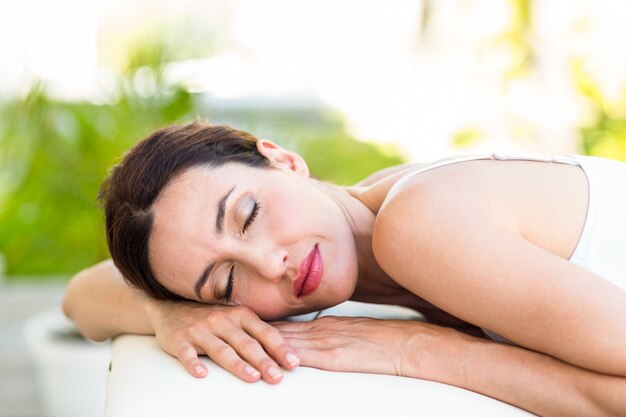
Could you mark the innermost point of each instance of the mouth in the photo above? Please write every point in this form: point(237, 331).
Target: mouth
point(309, 274)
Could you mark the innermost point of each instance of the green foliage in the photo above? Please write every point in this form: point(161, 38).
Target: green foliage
point(156, 40)
point(336, 157)
point(466, 138)
point(517, 38)
point(606, 135)
point(54, 156)
point(319, 136)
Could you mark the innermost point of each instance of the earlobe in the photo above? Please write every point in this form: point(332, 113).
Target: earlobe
point(282, 158)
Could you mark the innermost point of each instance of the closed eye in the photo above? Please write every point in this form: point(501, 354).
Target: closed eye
point(230, 284)
point(253, 214)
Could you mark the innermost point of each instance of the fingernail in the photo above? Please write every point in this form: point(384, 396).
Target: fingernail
point(199, 369)
point(292, 359)
point(274, 372)
point(251, 371)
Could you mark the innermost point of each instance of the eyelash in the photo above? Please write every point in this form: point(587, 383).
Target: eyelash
point(255, 211)
point(231, 276)
point(231, 282)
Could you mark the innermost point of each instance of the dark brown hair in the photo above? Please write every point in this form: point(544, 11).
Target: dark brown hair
point(134, 185)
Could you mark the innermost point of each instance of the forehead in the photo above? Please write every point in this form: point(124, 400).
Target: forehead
point(200, 184)
point(184, 221)
point(178, 223)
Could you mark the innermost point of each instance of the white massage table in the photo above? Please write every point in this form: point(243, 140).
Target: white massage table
point(144, 381)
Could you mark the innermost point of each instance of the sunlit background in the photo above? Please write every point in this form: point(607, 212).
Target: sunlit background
point(353, 85)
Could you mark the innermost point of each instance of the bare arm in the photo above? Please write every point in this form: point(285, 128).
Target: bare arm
point(480, 269)
point(102, 305)
point(530, 380)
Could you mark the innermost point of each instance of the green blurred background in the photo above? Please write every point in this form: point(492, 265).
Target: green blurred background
point(55, 154)
point(55, 151)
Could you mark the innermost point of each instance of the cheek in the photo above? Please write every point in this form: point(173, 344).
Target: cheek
point(265, 300)
point(270, 310)
point(304, 218)
point(344, 283)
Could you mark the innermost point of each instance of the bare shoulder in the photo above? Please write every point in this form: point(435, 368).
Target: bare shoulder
point(448, 200)
point(453, 241)
point(545, 203)
point(423, 213)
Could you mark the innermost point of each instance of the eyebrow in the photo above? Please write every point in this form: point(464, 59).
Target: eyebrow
point(219, 227)
point(221, 211)
point(202, 280)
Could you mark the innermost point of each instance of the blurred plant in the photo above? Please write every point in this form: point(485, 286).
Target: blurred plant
point(466, 138)
point(336, 157)
point(54, 156)
point(150, 39)
point(515, 42)
point(606, 134)
point(518, 37)
point(318, 134)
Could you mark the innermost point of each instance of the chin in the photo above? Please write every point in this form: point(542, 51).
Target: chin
point(306, 309)
point(339, 295)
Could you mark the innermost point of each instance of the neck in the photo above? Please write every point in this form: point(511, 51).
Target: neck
point(372, 280)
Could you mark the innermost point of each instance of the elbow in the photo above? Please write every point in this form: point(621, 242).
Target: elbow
point(65, 306)
point(68, 299)
point(71, 307)
point(75, 292)
point(94, 337)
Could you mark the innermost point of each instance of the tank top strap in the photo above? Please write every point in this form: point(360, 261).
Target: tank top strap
point(498, 156)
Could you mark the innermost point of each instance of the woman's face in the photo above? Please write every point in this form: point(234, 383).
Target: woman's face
point(269, 239)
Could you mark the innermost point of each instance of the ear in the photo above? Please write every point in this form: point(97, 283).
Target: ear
point(282, 158)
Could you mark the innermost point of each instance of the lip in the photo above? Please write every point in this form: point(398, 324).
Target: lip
point(309, 274)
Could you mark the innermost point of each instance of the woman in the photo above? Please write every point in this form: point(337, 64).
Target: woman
point(222, 232)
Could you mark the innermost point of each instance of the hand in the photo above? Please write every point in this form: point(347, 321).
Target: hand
point(392, 347)
point(232, 336)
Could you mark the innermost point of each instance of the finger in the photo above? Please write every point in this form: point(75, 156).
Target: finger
point(272, 342)
point(252, 351)
point(188, 356)
point(314, 358)
point(300, 340)
point(225, 356)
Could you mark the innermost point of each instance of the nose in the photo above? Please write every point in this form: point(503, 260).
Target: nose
point(267, 261)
